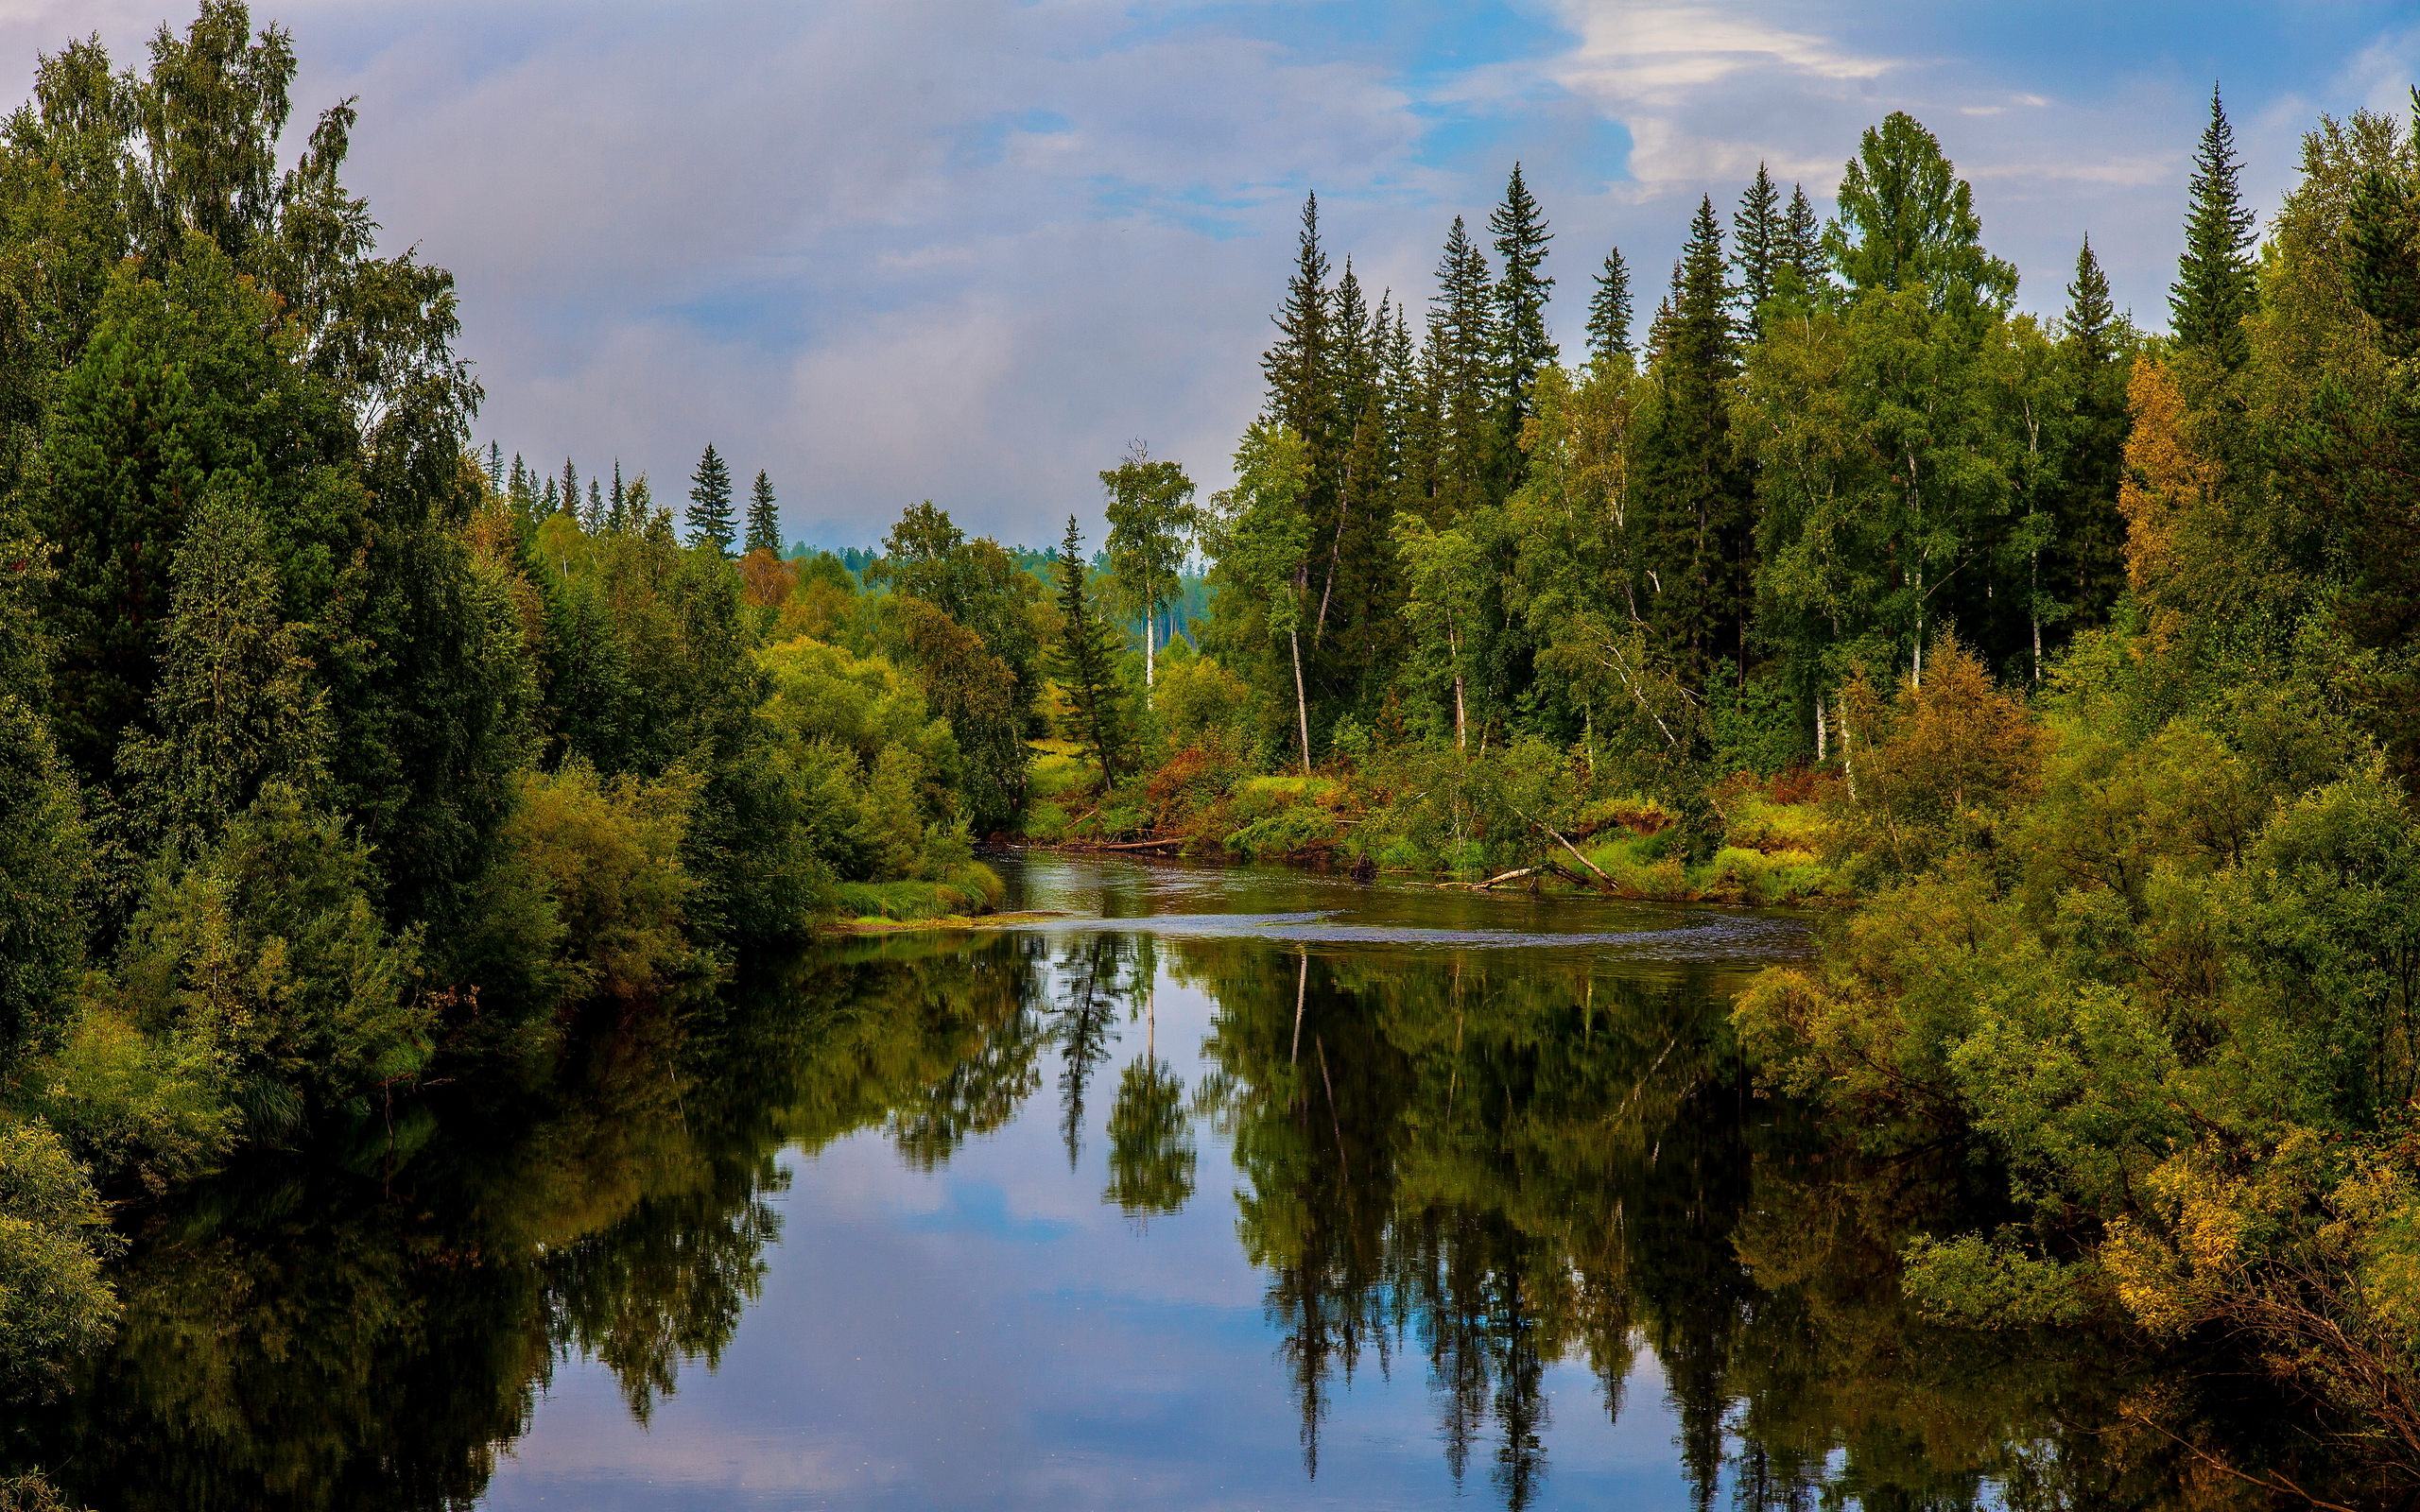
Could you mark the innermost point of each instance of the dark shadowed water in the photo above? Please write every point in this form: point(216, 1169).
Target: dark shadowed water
point(1233, 1189)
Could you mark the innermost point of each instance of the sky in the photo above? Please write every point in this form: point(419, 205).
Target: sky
point(889, 250)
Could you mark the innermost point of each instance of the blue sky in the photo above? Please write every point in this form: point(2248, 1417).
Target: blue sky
point(889, 250)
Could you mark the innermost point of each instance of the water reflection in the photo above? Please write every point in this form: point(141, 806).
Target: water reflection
point(1470, 1167)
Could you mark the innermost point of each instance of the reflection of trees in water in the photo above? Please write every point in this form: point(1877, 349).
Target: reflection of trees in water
point(1515, 1162)
point(1093, 990)
point(1502, 1165)
point(361, 1325)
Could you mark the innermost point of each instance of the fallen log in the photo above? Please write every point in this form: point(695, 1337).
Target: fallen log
point(1510, 876)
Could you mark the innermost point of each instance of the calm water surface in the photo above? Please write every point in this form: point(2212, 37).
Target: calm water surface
point(1232, 1188)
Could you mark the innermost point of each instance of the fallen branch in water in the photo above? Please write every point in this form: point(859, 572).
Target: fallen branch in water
point(1573, 849)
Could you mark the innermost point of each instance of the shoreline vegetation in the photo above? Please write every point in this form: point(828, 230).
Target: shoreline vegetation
point(341, 757)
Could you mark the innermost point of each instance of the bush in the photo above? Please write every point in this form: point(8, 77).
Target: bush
point(1196, 702)
point(269, 953)
point(606, 855)
point(44, 861)
point(54, 1304)
point(152, 1109)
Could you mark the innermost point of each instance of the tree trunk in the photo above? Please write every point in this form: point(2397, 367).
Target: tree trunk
point(1150, 633)
point(1302, 704)
point(2035, 610)
point(1461, 728)
point(1820, 732)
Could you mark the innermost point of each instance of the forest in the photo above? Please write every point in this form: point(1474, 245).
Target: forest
point(2071, 668)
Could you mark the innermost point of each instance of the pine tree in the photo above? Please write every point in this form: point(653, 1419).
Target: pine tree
point(1088, 660)
point(619, 519)
point(1759, 243)
point(2090, 315)
point(1356, 365)
point(570, 495)
point(549, 502)
point(2382, 246)
point(1609, 311)
point(2086, 561)
point(1460, 356)
point(1700, 520)
point(1298, 365)
point(1907, 219)
point(1803, 244)
point(1521, 294)
point(594, 516)
point(709, 514)
point(764, 519)
point(2214, 288)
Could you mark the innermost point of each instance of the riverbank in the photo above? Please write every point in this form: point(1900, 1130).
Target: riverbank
point(1536, 818)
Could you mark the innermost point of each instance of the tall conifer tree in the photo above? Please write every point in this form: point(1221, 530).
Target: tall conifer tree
point(1461, 355)
point(618, 517)
point(1521, 294)
point(2088, 551)
point(1088, 660)
point(764, 518)
point(1803, 244)
point(1759, 243)
point(1609, 310)
point(571, 496)
point(710, 502)
point(1298, 365)
point(2214, 288)
point(1701, 522)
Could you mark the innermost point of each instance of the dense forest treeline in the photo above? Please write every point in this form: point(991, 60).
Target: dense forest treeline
point(336, 758)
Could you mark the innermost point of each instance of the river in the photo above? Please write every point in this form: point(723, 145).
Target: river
point(1230, 1188)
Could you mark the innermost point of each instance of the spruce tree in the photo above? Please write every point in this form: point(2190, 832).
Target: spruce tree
point(764, 519)
point(1460, 355)
point(2086, 561)
point(1609, 310)
point(1298, 365)
point(2214, 287)
point(1355, 362)
point(595, 513)
point(1521, 294)
point(619, 518)
point(2382, 246)
point(1803, 244)
point(570, 495)
point(1700, 521)
point(1759, 243)
point(1088, 660)
point(709, 512)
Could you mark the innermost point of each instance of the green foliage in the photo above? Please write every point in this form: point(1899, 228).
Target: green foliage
point(605, 857)
point(153, 1110)
point(764, 515)
point(1906, 222)
point(54, 1305)
point(2215, 289)
point(269, 950)
point(1087, 665)
point(45, 856)
point(709, 512)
